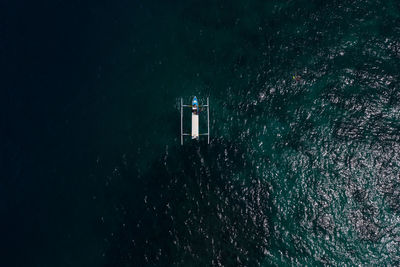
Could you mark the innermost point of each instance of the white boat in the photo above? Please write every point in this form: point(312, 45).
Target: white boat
point(195, 120)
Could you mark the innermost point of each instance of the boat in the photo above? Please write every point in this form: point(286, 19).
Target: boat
point(195, 106)
point(195, 119)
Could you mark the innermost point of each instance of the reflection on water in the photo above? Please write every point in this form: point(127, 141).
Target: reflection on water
point(299, 171)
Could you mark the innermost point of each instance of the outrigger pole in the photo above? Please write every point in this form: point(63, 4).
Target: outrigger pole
point(181, 121)
point(208, 122)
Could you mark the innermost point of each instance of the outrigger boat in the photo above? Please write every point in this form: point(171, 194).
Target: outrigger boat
point(195, 120)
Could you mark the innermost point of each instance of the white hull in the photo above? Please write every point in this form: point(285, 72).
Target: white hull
point(195, 126)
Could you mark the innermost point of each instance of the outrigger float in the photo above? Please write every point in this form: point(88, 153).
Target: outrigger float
point(195, 120)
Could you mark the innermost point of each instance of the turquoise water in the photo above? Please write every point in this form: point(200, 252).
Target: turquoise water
point(298, 172)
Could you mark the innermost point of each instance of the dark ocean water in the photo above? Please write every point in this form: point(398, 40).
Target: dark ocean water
point(300, 172)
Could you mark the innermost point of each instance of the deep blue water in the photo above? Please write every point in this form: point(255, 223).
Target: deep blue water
point(298, 172)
